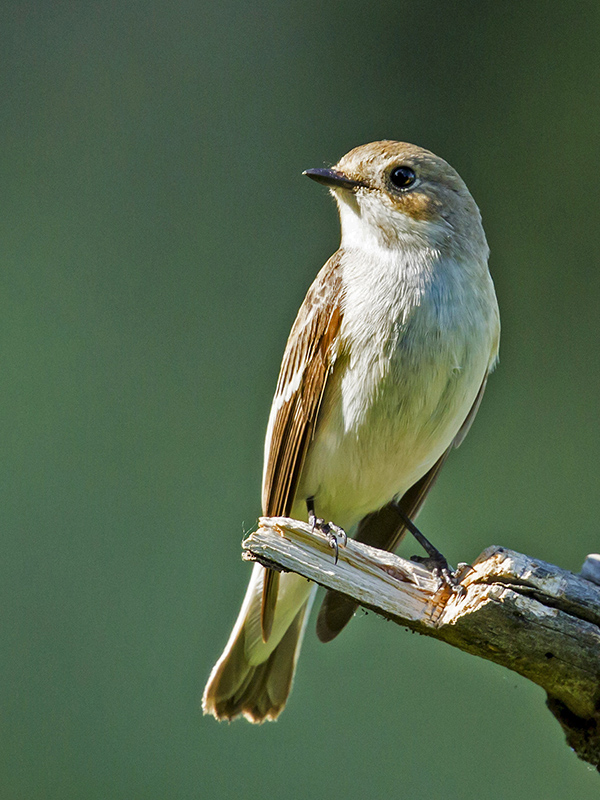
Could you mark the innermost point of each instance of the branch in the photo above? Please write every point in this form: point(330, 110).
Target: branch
point(532, 617)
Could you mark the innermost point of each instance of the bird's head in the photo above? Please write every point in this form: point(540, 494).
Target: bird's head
point(392, 194)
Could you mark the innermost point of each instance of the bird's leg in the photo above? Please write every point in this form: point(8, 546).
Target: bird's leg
point(434, 560)
point(336, 536)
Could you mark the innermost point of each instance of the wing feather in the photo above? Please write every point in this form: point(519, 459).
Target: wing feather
point(307, 362)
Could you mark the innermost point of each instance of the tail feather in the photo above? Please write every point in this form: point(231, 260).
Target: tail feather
point(269, 601)
point(253, 678)
point(264, 689)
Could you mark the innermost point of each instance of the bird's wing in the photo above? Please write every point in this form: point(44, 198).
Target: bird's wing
point(385, 530)
point(307, 362)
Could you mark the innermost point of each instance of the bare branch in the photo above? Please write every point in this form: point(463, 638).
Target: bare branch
point(532, 617)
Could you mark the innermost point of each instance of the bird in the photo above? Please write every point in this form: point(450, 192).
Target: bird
point(383, 372)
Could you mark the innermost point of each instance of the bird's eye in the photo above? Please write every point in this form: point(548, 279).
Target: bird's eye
point(402, 177)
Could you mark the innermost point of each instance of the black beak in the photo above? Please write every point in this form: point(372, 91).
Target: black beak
point(332, 178)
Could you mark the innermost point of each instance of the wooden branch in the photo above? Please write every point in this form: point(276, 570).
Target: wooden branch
point(532, 617)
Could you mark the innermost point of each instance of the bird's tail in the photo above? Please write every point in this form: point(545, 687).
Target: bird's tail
point(253, 677)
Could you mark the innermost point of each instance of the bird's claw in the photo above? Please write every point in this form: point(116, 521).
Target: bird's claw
point(336, 536)
point(447, 577)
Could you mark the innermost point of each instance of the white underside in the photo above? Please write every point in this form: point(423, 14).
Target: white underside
point(418, 336)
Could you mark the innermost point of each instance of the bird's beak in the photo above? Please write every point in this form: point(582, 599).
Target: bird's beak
point(332, 178)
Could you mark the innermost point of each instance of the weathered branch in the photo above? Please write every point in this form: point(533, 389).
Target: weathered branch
point(532, 617)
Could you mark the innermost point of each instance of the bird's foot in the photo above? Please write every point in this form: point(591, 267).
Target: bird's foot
point(336, 536)
point(434, 560)
point(441, 569)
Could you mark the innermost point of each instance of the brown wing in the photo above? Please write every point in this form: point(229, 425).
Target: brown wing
point(307, 362)
point(385, 530)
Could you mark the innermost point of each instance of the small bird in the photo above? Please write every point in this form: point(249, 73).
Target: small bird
point(382, 375)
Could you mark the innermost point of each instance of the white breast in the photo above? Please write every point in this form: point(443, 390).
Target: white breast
point(419, 334)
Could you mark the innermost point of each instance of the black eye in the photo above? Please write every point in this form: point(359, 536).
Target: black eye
point(402, 177)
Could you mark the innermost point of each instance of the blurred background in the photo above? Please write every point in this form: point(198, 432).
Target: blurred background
point(156, 241)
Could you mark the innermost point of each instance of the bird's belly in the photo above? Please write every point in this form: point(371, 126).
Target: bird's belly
point(378, 435)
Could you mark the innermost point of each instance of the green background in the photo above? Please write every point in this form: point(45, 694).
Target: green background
point(156, 241)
